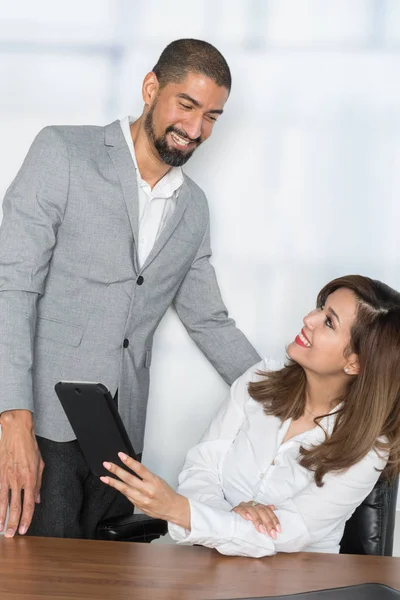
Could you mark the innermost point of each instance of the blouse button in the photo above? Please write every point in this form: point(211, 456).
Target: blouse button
point(262, 476)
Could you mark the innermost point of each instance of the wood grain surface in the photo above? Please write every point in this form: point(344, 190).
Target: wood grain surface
point(38, 568)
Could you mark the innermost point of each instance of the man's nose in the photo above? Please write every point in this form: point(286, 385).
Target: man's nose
point(193, 127)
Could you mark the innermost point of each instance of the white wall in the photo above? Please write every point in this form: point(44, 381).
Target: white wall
point(302, 172)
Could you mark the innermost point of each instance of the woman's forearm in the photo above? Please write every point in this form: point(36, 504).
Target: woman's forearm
point(181, 512)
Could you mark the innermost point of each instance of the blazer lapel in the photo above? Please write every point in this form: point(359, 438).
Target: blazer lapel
point(171, 224)
point(122, 160)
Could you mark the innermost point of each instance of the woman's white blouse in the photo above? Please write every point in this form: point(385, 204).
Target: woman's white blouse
point(241, 457)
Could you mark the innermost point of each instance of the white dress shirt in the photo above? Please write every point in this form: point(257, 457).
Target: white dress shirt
point(243, 457)
point(155, 205)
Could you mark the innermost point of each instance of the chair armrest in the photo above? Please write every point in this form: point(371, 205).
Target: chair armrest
point(131, 528)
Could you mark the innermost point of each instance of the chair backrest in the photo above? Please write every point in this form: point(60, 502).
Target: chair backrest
point(371, 527)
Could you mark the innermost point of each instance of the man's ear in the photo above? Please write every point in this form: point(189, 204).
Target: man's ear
point(150, 88)
point(352, 366)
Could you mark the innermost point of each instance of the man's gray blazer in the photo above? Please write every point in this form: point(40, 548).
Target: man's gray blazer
point(72, 294)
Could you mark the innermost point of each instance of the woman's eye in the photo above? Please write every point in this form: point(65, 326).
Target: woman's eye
point(328, 322)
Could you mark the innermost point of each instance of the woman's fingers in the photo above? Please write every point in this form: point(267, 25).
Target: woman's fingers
point(262, 520)
point(126, 476)
point(263, 517)
point(269, 520)
point(268, 516)
point(138, 498)
point(142, 489)
point(122, 487)
point(135, 466)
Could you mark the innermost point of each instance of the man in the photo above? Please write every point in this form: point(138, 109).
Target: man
point(102, 231)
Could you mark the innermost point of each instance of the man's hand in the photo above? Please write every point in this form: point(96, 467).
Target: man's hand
point(21, 468)
point(263, 517)
point(151, 494)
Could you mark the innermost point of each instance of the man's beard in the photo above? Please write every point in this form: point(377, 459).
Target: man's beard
point(170, 156)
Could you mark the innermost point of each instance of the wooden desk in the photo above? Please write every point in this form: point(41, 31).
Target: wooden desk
point(55, 569)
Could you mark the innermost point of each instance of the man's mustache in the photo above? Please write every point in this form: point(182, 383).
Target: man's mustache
point(183, 134)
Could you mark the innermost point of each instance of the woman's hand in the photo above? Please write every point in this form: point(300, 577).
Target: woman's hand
point(263, 517)
point(150, 494)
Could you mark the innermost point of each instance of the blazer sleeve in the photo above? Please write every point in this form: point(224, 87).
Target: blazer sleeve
point(33, 209)
point(199, 306)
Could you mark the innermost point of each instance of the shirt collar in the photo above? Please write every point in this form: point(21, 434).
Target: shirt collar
point(172, 180)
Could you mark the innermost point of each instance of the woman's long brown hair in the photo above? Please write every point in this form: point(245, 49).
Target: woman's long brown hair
point(371, 402)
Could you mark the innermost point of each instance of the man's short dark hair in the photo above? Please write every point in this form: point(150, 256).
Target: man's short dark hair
point(185, 56)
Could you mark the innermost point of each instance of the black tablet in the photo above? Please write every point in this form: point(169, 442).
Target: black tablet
point(96, 422)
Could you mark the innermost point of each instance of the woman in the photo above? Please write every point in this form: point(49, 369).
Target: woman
point(293, 452)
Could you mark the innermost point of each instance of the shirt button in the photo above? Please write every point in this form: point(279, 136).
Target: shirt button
point(139, 280)
point(126, 343)
point(262, 476)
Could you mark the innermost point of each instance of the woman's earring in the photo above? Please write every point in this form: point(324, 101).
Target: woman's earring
point(346, 370)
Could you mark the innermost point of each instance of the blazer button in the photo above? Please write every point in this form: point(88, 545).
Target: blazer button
point(126, 343)
point(139, 280)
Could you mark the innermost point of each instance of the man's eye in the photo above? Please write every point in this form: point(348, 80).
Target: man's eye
point(210, 118)
point(186, 106)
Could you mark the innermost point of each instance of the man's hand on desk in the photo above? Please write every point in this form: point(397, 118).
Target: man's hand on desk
point(263, 517)
point(150, 494)
point(21, 468)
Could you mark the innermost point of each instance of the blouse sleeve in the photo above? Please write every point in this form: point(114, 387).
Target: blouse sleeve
point(322, 509)
point(200, 479)
point(312, 516)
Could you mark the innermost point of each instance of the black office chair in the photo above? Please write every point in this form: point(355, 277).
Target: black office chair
point(131, 528)
point(369, 530)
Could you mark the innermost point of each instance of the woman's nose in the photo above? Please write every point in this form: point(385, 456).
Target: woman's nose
point(309, 320)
